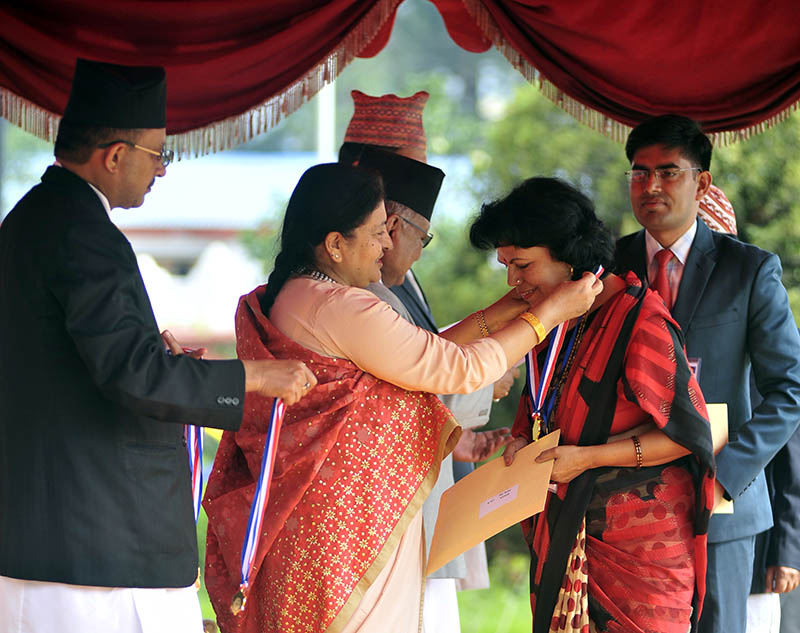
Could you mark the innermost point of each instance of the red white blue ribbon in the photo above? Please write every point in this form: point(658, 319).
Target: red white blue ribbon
point(194, 444)
point(259, 504)
point(539, 385)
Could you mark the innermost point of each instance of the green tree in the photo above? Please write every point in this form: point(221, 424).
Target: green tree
point(536, 138)
point(761, 177)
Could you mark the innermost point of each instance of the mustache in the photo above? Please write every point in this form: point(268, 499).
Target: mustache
point(647, 197)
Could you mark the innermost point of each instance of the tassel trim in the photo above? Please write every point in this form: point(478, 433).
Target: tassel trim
point(238, 129)
point(598, 121)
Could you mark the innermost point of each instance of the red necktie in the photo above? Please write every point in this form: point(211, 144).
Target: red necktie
point(661, 282)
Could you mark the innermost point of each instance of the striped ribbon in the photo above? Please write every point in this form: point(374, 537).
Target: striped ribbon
point(539, 385)
point(259, 504)
point(194, 444)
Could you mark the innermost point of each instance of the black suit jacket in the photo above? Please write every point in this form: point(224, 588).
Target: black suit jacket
point(94, 475)
point(735, 316)
point(781, 544)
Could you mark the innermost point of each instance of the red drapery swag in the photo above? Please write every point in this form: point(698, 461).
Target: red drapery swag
point(236, 67)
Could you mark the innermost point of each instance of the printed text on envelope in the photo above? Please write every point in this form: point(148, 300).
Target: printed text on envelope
point(498, 501)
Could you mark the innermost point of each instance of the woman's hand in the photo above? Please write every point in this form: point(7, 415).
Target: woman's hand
point(569, 300)
point(570, 461)
point(517, 444)
point(476, 446)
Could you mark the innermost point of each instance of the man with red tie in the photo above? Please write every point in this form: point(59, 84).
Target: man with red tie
point(734, 312)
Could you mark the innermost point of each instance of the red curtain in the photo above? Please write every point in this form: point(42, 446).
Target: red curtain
point(223, 59)
point(236, 66)
point(730, 64)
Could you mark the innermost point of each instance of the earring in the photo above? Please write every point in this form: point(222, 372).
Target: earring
point(571, 271)
point(335, 257)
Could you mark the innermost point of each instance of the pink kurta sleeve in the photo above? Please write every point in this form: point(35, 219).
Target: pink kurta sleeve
point(353, 323)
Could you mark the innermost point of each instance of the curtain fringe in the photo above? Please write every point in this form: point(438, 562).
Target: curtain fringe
point(582, 113)
point(238, 129)
point(29, 116)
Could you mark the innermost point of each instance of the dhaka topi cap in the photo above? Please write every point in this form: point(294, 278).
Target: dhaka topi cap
point(717, 211)
point(389, 121)
point(405, 180)
point(114, 96)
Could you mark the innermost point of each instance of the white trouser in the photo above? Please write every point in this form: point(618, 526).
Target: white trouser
point(440, 609)
point(763, 613)
point(28, 606)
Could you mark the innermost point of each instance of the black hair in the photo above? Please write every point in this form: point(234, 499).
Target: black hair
point(551, 213)
point(75, 143)
point(327, 198)
point(674, 132)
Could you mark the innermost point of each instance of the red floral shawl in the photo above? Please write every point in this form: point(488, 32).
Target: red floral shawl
point(356, 459)
point(631, 357)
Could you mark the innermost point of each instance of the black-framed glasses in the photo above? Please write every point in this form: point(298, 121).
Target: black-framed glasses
point(428, 236)
point(166, 156)
point(664, 174)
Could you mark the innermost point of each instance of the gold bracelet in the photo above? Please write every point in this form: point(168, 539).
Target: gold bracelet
point(480, 319)
point(536, 324)
point(638, 446)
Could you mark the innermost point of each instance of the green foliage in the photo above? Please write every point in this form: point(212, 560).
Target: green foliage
point(536, 138)
point(505, 605)
point(262, 244)
point(761, 177)
point(18, 149)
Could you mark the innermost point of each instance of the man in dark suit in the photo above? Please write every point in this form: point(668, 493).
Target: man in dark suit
point(96, 520)
point(734, 312)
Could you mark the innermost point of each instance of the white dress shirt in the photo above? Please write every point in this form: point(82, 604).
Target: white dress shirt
point(680, 249)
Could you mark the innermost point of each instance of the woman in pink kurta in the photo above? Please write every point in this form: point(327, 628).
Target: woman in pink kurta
point(341, 549)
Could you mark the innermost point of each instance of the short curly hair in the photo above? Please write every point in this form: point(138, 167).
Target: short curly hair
point(551, 213)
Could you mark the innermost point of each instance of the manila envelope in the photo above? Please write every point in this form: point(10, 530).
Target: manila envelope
point(718, 416)
point(490, 499)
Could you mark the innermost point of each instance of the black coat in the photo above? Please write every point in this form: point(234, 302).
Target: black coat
point(94, 475)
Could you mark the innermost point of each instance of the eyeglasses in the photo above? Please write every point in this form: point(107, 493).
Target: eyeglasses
point(166, 156)
point(664, 174)
point(428, 236)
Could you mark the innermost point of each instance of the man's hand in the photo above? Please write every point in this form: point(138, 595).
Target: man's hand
point(475, 446)
point(503, 386)
point(286, 379)
point(516, 444)
point(782, 579)
point(175, 348)
point(719, 491)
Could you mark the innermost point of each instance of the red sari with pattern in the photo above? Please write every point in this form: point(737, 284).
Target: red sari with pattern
point(621, 549)
point(356, 459)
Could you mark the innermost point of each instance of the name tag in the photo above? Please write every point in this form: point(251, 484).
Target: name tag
point(694, 365)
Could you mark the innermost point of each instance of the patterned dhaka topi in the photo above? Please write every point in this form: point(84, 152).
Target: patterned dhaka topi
point(389, 121)
point(717, 211)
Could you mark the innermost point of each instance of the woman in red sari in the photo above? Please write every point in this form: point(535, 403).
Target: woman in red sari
point(620, 545)
point(341, 547)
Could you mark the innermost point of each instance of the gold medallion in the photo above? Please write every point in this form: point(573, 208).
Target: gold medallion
point(238, 603)
point(536, 426)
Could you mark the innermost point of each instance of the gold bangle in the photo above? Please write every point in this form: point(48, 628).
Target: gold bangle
point(536, 324)
point(637, 445)
point(480, 319)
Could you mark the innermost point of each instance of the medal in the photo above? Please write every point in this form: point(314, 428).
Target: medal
point(541, 406)
point(238, 603)
point(536, 425)
point(259, 505)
